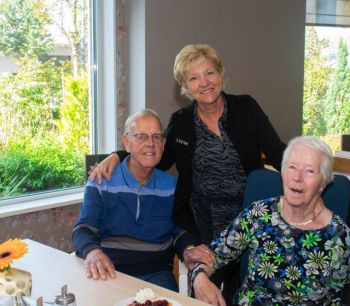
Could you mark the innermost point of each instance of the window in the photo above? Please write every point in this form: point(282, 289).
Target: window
point(327, 71)
point(50, 93)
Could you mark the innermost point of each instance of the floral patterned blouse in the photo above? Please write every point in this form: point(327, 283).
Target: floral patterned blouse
point(287, 265)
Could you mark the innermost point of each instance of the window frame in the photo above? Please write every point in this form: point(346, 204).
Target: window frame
point(104, 101)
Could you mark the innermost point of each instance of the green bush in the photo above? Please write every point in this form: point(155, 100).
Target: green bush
point(35, 166)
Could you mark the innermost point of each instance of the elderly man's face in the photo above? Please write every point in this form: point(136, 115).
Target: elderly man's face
point(302, 181)
point(144, 153)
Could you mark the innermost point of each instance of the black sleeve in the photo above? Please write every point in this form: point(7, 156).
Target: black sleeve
point(271, 144)
point(185, 239)
point(168, 158)
point(121, 154)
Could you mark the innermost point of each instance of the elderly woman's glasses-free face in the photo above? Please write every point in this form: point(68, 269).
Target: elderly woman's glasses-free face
point(142, 137)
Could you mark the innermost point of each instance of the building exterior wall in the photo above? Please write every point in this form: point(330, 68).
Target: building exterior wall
point(52, 227)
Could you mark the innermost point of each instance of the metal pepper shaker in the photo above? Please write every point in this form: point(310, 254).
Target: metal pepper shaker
point(65, 299)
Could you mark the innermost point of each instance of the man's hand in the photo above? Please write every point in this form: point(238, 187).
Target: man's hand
point(198, 254)
point(206, 291)
point(105, 168)
point(98, 265)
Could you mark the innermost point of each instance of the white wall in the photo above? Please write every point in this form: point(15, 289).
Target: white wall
point(260, 42)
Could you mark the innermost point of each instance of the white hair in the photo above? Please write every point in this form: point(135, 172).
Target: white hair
point(139, 114)
point(326, 166)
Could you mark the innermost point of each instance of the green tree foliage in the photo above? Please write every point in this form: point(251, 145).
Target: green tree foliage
point(30, 101)
point(46, 130)
point(74, 115)
point(337, 111)
point(316, 78)
point(23, 29)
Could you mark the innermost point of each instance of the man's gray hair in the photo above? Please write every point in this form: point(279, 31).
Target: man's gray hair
point(326, 167)
point(139, 114)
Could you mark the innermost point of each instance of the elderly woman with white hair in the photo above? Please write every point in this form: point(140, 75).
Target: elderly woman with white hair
point(299, 250)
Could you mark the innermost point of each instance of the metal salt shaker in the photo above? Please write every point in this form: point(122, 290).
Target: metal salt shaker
point(65, 299)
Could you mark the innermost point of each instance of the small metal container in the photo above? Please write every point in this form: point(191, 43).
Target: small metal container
point(65, 299)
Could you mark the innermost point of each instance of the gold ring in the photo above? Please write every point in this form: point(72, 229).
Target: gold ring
point(190, 247)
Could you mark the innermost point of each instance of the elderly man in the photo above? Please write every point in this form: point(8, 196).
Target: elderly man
point(125, 223)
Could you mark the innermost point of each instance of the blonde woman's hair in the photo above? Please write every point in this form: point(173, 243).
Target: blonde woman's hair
point(326, 166)
point(191, 53)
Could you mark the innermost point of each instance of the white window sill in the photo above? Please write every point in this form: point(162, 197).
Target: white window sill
point(33, 203)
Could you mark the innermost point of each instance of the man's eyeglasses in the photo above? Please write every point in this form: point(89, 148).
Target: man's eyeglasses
point(142, 137)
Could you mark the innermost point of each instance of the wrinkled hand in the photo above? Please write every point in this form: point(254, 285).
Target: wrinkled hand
point(206, 291)
point(98, 265)
point(105, 168)
point(199, 254)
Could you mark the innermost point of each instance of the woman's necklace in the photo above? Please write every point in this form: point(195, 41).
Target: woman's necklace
point(304, 222)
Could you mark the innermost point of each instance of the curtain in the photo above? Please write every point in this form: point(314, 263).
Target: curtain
point(328, 12)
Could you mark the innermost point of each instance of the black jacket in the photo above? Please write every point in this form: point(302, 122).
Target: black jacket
point(246, 125)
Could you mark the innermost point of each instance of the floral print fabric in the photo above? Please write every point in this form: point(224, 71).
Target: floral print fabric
point(287, 266)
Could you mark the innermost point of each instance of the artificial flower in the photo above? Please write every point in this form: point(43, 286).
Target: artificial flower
point(10, 250)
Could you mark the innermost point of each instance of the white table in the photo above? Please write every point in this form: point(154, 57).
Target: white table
point(51, 269)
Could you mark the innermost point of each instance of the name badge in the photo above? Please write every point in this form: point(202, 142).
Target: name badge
point(183, 142)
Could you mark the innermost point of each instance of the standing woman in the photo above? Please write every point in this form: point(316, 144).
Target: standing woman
point(215, 143)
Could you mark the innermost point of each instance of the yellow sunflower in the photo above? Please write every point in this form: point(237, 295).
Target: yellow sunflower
point(10, 250)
